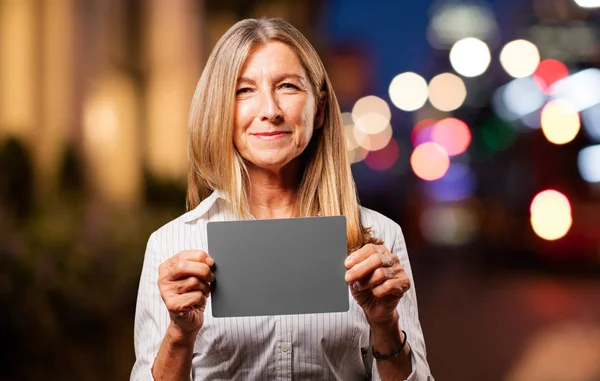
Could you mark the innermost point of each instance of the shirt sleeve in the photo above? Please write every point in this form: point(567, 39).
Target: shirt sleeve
point(149, 314)
point(409, 318)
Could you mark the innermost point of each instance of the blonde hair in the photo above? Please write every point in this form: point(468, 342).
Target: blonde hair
point(326, 188)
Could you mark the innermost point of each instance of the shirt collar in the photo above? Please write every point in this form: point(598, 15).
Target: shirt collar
point(204, 206)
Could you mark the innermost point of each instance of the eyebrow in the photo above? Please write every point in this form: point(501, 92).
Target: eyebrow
point(279, 78)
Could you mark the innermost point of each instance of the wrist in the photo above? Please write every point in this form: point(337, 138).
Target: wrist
point(385, 325)
point(178, 337)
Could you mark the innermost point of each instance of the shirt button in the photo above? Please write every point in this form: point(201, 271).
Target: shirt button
point(285, 347)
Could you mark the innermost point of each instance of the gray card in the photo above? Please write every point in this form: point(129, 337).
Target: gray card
point(278, 266)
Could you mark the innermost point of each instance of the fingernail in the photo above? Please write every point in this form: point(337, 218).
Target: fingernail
point(210, 261)
point(347, 277)
point(356, 286)
point(349, 261)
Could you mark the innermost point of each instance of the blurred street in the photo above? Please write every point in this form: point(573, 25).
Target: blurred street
point(474, 124)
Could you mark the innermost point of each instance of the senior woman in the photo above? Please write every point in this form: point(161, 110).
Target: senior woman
point(266, 139)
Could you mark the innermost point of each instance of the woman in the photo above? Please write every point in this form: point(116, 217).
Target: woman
point(266, 137)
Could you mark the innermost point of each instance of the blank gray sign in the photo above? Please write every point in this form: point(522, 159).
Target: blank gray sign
point(278, 266)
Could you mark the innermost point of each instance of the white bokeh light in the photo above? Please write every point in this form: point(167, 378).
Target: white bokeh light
point(588, 3)
point(470, 57)
point(519, 58)
point(591, 122)
point(588, 162)
point(371, 114)
point(408, 91)
point(453, 21)
point(522, 96)
point(582, 89)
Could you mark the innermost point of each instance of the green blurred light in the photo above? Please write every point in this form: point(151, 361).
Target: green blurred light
point(497, 135)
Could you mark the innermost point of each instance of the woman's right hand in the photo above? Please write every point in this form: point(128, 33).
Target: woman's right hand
point(184, 283)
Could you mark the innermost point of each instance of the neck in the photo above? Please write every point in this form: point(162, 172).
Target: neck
point(273, 193)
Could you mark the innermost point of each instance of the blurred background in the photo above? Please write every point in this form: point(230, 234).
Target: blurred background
point(473, 124)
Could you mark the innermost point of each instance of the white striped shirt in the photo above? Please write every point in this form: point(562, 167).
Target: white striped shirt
point(329, 346)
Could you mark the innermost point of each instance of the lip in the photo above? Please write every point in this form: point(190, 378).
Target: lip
point(271, 135)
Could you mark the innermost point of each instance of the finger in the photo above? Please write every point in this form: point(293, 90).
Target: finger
point(182, 303)
point(192, 284)
point(362, 254)
point(196, 256)
point(184, 268)
point(376, 278)
point(388, 259)
point(392, 287)
point(370, 264)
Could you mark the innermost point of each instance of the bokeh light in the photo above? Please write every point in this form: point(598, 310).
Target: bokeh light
point(373, 142)
point(384, 158)
point(497, 135)
point(421, 132)
point(101, 122)
point(429, 161)
point(408, 91)
point(560, 121)
point(591, 122)
point(454, 21)
point(470, 57)
point(448, 224)
point(371, 114)
point(457, 184)
point(549, 72)
point(447, 92)
point(357, 155)
point(519, 58)
point(582, 89)
point(550, 215)
point(588, 162)
point(452, 134)
point(521, 97)
point(588, 3)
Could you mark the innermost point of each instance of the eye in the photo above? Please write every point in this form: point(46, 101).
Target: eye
point(243, 90)
point(289, 86)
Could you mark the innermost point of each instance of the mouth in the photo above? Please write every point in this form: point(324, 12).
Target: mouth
point(271, 135)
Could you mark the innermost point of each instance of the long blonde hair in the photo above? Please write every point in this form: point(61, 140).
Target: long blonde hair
point(327, 187)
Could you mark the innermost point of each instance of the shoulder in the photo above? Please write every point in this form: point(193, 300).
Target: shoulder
point(382, 227)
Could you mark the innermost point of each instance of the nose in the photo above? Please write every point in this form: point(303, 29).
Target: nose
point(269, 108)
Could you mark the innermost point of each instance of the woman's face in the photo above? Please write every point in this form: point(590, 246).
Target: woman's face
point(275, 109)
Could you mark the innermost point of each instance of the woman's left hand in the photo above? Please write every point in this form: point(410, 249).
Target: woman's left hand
point(377, 281)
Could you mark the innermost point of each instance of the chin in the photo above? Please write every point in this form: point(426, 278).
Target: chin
point(271, 162)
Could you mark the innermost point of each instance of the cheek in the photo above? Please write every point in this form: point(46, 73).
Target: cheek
point(308, 121)
point(244, 114)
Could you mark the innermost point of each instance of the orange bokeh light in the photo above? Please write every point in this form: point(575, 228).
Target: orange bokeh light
point(452, 134)
point(430, 161)
point(560, 121)
point(550, 215)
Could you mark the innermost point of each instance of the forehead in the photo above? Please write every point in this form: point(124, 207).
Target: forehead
point(273, 57)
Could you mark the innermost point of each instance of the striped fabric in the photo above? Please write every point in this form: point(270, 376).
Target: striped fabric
point(332, 346)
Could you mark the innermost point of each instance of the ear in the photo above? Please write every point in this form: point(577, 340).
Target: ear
point(321, 106)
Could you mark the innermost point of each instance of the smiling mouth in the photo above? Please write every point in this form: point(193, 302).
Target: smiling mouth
point(271, 135)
